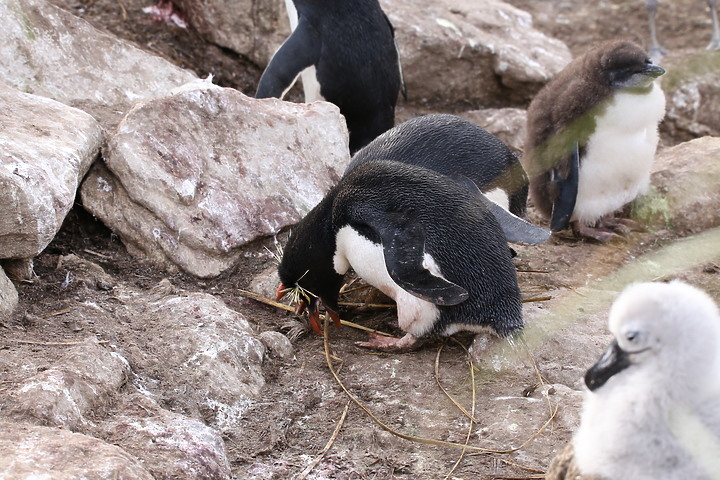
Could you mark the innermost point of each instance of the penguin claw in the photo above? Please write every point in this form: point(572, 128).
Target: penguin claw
point(607, 228)
point(622, 225)
point(601, 235)
point(383, 343)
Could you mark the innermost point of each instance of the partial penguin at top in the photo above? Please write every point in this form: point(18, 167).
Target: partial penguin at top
point(657, 51)
point(418, 236)
point(467, 153)
point(591, 138)
point(652, 406)
point(347, 55)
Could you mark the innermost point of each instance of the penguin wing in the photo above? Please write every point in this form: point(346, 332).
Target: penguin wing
point(516, 229)
point(403, 241)
point(300, 50)
point(567, 188)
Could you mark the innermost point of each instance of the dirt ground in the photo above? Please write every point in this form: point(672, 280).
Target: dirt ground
point(302, 402)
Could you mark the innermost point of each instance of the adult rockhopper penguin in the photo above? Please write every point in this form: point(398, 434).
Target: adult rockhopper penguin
point(348, 48)
point(421, 238)
point(452, 146)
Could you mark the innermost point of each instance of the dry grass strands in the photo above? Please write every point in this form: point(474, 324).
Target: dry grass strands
point(413, 438)
point(329, 444)
point(544, 298)
point(54, 344)
point(367, 305)
point(259, 298)
point(56, 312)
point(471, 414)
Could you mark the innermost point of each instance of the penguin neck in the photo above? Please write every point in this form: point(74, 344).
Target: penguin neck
point(316, 235)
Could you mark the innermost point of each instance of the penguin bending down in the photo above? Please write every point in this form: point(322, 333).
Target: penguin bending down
point(452, 146)
point(350, 45)
point(592, 132)
point(419, 237)
point(652, 411)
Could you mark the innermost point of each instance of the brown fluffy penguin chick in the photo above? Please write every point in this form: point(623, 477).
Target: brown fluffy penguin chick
point(591, 139)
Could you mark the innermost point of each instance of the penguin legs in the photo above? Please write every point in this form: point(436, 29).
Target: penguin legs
point(715, 40)
point(404, 344)
point(656, 50)
point(605, 229)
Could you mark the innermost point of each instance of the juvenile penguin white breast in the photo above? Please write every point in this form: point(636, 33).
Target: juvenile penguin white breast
point(415, 316)
point(619, 154)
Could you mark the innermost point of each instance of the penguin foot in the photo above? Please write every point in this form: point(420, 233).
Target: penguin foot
point(606, 229)
point(601, 235)
point(404, 344)
point(624, 225)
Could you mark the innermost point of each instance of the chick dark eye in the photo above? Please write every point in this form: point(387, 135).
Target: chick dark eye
point(631, 336)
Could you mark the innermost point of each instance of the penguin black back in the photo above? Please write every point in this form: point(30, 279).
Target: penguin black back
point(452, 146)
point(410, 211)
point(351, 43)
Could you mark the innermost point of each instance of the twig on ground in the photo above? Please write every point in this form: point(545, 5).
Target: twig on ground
point(322, 453)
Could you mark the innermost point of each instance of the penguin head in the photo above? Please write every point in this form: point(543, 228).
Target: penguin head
point(306, 271)
point(624, 65)
point(665, 334)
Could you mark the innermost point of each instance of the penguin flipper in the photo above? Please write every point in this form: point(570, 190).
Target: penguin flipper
point(403, 240)
point(564, 203)
point(300, 50)
point(516, 229)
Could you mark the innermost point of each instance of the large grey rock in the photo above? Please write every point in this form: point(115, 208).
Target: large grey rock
point(685, 191)
point(63, 395)
point(47, 51)
point(8, 297)
point(194, 176)
point(253, 28)
point(692, 89)
point(203, 356)
point(508, 124)
point(482, 53)
point(45, 150)
point(32, 452)
point(168, 445)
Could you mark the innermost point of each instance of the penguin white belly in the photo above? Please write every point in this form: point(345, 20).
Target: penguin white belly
point(499, 197)
point(415, 316)
point(311, 86)
point(619, 155)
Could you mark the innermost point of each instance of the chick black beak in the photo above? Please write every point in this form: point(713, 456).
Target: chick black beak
point(653, 71)
point(613, 361)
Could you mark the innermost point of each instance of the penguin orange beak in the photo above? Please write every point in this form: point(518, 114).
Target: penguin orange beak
point(314, 314)
point(299, 306)
point(313, 309)
point(281, 291)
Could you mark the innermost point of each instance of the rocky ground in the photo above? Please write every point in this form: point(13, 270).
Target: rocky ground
point(521, 420)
